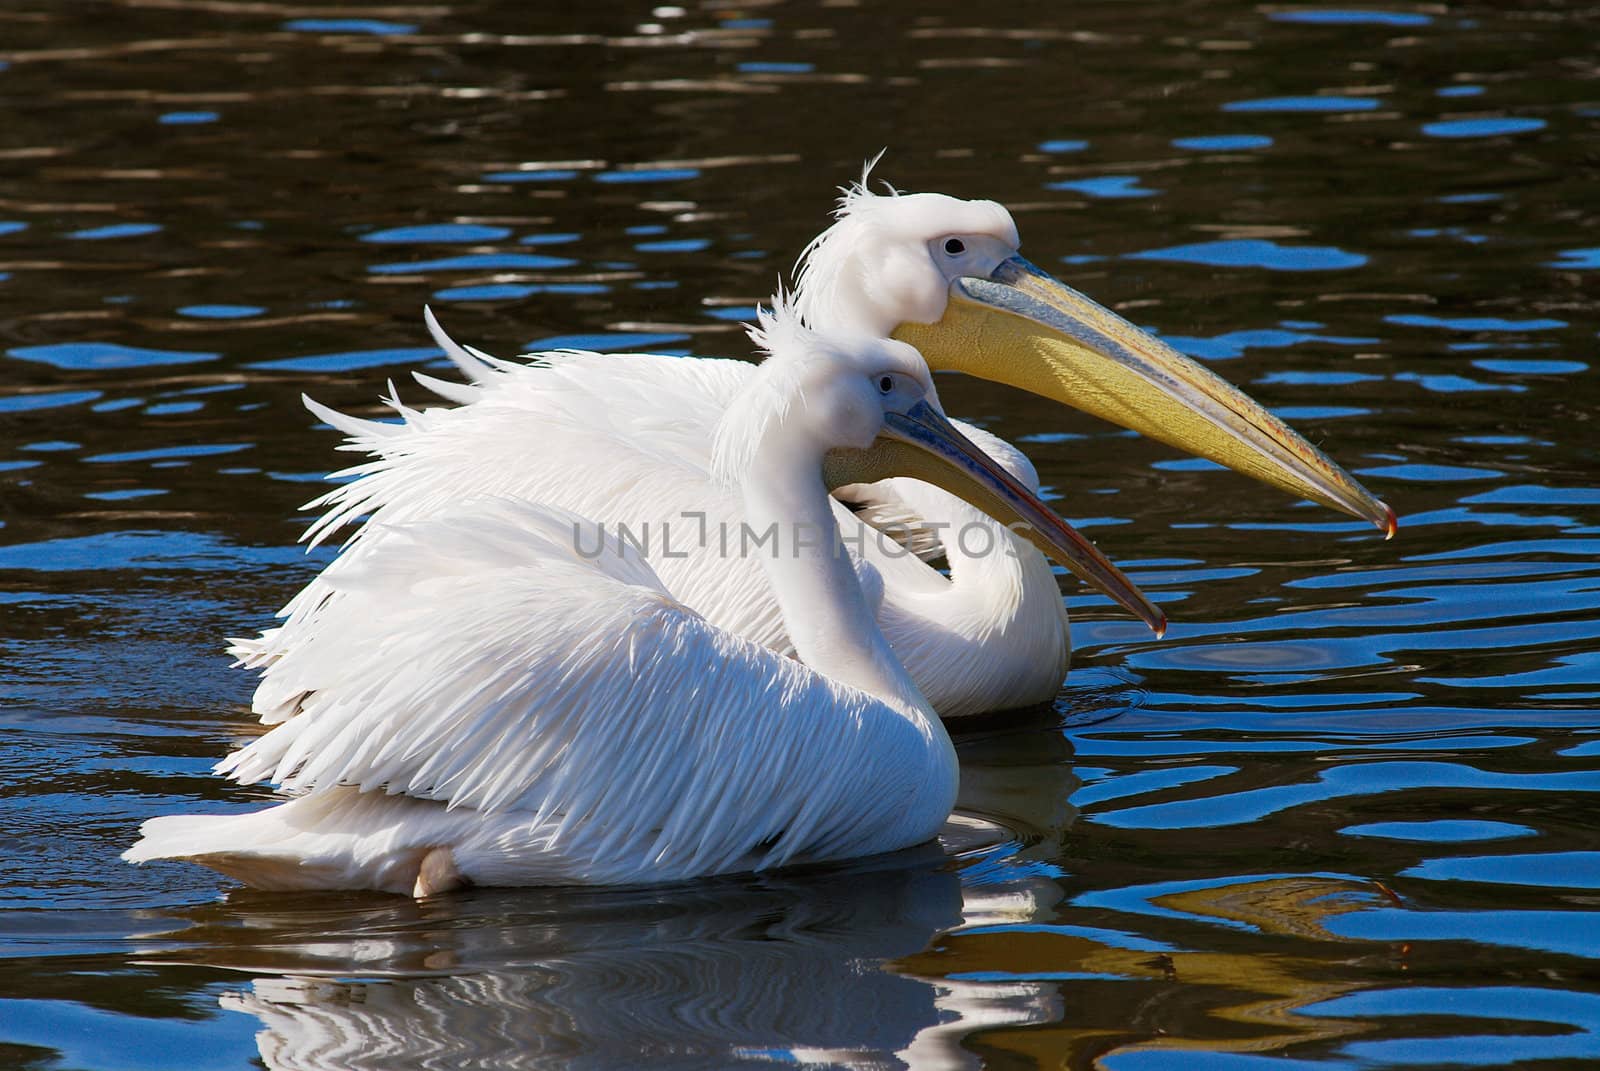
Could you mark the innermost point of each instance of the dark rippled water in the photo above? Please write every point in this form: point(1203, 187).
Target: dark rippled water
point(1342, 816)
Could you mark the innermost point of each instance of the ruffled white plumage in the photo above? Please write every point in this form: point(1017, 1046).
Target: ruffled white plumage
point(622, 438)
point(479, 689)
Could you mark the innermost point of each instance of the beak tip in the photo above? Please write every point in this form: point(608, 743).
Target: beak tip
point(1390, 524)
point(1159, 625)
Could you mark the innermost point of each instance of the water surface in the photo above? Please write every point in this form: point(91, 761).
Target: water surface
point(1342, 816)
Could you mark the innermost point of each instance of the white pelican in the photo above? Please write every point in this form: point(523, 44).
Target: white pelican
point(488, 703)
point(625, 440)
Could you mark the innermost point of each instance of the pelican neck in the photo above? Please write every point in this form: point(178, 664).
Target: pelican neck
point(824, 611)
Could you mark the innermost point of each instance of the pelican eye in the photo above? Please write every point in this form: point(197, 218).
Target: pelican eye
point(886, 384)
point(954, 246)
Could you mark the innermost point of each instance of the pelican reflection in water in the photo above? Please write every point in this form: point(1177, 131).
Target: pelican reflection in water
point(898, 962)
point(727, 972)
point(799, 966)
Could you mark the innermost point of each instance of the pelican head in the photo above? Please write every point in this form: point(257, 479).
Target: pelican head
point(865, 396)
point(946, 276)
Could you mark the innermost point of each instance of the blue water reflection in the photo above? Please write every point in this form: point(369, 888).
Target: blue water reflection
point(221, 312)
point(105, 355)
point(1339, 783)
point(168, 453)
point(19, 403)
point(515, 291)
point(1106, 186)
point(1537, 495)
point(674, 245)
point(1570, 870)
point(1512, 367)
point(1235, 343)
point(477, 262)
point(1351, 17)
point(1538, 1008)
point(539, 175)
point(1564, 932)
point(1441, 831)
point(136, 549)
point(1257, 253)
point(647, 175)
point(1580, 259)
point(1474, 323)
point(86, 1036)
point(350, 361)
point(606, 342)
point(1330, 104)
point(769, 67)
point(439, 232)
point(115, 230)
point(377, 27)
point(1445, 383)
point(188, 118)
point(1223, 142)
point(1481, 128)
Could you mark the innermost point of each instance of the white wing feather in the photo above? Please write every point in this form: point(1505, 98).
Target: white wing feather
point(561, 408)
point(482, 662)
point(624, 438)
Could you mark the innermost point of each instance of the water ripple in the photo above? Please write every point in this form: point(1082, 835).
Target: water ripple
point(1257, 253)
point(1341, 782)
point(105, 355)
point(1317, 105)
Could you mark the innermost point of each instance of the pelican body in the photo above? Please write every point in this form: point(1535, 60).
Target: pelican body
point(489, 703)
point(625, 440)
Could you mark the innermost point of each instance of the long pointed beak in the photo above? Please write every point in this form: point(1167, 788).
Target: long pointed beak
point(923, 444)
point(1023, 327)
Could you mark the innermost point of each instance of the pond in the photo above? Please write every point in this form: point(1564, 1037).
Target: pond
point(1343, 815)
